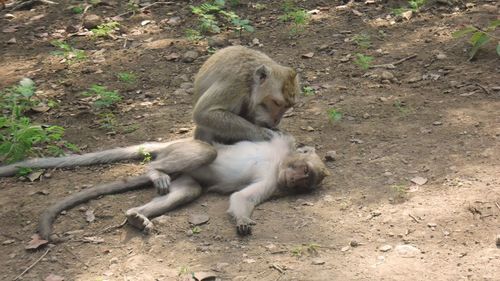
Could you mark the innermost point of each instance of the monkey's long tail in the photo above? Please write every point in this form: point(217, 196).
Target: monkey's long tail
point(50, 214)
point(99, 157)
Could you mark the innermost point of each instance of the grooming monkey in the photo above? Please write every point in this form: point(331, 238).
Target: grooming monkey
point(251, 171)
point(241, 94)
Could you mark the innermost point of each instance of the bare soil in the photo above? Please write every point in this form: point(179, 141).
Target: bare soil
point(436, 118)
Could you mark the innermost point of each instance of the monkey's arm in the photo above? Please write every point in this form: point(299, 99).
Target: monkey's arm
point(222, 123)
point(50, 214)
point(100, 157)
point(243, 202)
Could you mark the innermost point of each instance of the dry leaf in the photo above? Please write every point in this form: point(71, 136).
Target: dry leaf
point(308, 55)
point(36, 242)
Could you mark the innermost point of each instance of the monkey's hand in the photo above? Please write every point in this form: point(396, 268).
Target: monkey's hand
point(160, 180)
point(243, 226)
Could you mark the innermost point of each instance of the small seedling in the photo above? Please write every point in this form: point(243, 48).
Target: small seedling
point(209, 14)
point(400, 191)
point(413, 5)
point(308, 91)
point(107, 121)
point(242, 25)
point(126, 77)
point(132, 6)
point(77, 10)
point(297, 251)
point(334, 115)
point(146, 156)
point(183, 270)
point(193, 34)
point(105, 29)
point(362, 40)
point(402, 107)
point(363, 61)
point(104, 97)
point(479, 37)
point(298, 17)
point(67, 51)
point(311, 249)
point(196, 229)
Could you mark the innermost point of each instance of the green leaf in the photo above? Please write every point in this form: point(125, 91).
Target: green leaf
point(494, 24)
point(476, 37)
point(463, 32)
point(478, 42)
point(249, 28)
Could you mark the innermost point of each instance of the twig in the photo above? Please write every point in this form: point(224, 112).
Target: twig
point(393, 65)
point(145, 7)
point(414, 218)
point(33, 264)
point(113, 227)
point(277, 267)
point(484, 88)
point(498, 206)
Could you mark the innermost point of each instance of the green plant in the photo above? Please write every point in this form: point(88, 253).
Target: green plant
point(402, 107)
point(209, 14)
point(67, 51)
point(107, 121)
point(104, 97)
point(196, 230)
point(363, 61)
point(479, 37)
point(18, 136)
point(77, 10)
point(132, 6)
point(126, 77)
point(311, 248)
point(105, 29)
point(363, 40)
point(146, 156)
point(259, 6)
point(413, 5)
point(400, 192)
point(298, 17)
point(193, 34)
point(334, 115)
point(308, 91)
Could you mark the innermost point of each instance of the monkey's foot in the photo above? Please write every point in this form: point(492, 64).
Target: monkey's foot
point(139, 221)
point(244, 226)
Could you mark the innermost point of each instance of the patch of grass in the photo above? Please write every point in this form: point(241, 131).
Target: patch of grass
point(103, 97)
point(412, 5)
point(127, 77)
point(308, 91)
point(193, 34)
point(105, 29)
point(67, 51)
point(146, 156)
point(211, 12)
point(107, 121)
point(298, 17)
point(363, 40)
point(20, 138)
point(478, 37)
point(400, 192)
point(402, 107)
point(132, 6)
point(334, 115)
point(311, 249)
point(363, 61)
point(196, 230)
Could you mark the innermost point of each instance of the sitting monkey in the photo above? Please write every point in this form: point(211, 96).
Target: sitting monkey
point(251, 171)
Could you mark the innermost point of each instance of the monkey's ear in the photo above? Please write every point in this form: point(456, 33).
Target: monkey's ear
point(261, 74)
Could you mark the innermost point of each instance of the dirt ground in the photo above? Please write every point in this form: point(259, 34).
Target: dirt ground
point(435, 117)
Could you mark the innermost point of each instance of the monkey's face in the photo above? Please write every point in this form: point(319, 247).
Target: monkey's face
point(301, 172)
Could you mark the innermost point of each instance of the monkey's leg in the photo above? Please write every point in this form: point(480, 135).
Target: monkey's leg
point(183, 190)
point(178, 158)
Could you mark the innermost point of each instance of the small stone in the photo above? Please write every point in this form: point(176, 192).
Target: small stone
point(198, 219)
point(308, 55)
point(249, 261)
point(432, 224)
point(331, 156)
point(419, 180)
point(353, 243)
point(385, 248)
point(8, 242)
point(113, 260)
point(189, 56)
point(386, 75)
point(366, 115)
point(12, 41)
point(441, 56)
point(183, 130)
point(345, 249)
point(310, 129)
point(189, 232)
point(91, 21)
point(9, 16)
point(318, 262)
point(437, 123)
point(382, 99)
point(162, 220)
point(407, 15)
point(497, 241)
point(407, 251)
point(255, 41)
point(387, 174)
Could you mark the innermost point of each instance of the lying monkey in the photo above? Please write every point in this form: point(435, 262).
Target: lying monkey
point(251, 171)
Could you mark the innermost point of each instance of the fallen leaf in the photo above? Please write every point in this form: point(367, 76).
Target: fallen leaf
point(198, 219)
point(53, 277)
point(33, 176)
point(204, 276)
point(144, 22)
point(36, 242)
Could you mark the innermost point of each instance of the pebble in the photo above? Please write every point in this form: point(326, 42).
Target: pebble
point(8, 242)
point(318, 262)
point(497, 241)
point(331, 155)
point(113, 260)
point(345, 249)
point(189, 56)
point(386, 75)
point(407, 251)
point(441, 56)
point(91, 21)
point(432, 224)
point(385, 248)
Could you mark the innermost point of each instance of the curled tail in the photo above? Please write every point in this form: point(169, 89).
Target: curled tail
point(50, 214)
point(100, 157)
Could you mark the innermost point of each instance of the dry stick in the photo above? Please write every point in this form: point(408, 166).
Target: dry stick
point(484, 88)
point(498, 206)
point(393, 65)
point(32, 265)
point(113, 227)
point(414, 218)
point(144, 8)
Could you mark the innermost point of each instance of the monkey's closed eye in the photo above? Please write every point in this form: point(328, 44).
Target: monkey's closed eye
point(277, 103)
